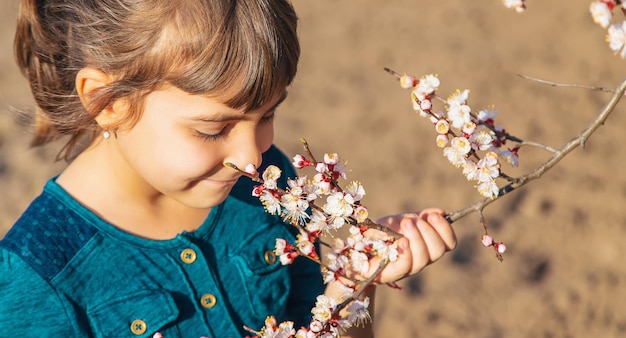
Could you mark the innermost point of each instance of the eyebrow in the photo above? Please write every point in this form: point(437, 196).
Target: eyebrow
point(226, 117)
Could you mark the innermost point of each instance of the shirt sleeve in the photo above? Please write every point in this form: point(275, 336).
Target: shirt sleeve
point(29, 306)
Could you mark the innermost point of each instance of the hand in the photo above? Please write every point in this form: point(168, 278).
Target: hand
point(427, 237)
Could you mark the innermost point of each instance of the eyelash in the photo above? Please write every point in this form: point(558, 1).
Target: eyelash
point(210, 137)
point(268, 118)
point(218, 136)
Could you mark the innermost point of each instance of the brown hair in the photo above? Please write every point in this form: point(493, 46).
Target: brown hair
point(242, 51)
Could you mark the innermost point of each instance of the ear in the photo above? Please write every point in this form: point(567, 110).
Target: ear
point(89, 80)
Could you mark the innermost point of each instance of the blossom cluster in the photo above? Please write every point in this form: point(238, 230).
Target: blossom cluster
point(322, 313)
point(318, 206)
point(470, 141)
point(602, 14)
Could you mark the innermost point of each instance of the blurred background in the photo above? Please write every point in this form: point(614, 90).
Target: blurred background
point(563, 274)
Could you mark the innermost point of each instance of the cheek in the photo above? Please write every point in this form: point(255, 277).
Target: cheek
point(192, 157)
point(165, 156)
point(265, 137)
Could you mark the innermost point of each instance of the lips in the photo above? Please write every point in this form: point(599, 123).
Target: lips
point(215, 179)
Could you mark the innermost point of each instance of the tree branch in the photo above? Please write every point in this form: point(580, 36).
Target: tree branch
point(558, 155)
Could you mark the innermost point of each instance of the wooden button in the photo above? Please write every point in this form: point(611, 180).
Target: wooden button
point(208, 301)
point(270, 257)
point(188, 256)
point(138, 327)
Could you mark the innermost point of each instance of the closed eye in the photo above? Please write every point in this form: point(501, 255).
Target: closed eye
point(269, 118)
point(210, 137)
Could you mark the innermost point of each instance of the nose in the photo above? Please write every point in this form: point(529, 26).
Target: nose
point(245, 149)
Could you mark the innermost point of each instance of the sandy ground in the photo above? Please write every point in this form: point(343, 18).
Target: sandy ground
point(563, 275)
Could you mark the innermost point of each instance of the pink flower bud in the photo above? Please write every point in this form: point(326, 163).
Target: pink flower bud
point(426, 105)
point(500, 247)
point(487, 240)
point(300, 161)
point(257, 191)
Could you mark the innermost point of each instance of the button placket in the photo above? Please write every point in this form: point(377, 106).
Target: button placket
point(197, 268)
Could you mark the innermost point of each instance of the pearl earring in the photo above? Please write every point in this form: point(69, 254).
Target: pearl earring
point(106, 134)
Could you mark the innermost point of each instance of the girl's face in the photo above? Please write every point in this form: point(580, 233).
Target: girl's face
point(180, 144)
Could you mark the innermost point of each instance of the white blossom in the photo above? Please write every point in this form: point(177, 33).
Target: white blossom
point(459, 114)
point(488, 168)
point(361, 214)
point(518, 5)
point(442, 140)
point(323, 309)
point(317, 222)
point(488, 189)
point(336, 261)
point(304, 244)
point(270, 176)
point(428, 84)
point(355, 189)
point(601, 13)
point(469, 128)
point(455, 157)
point(616, 38)
point(407, 81)
point(461, 145)
point(339, 206)
point(321, 185)
point(358, 313)
point(386, 250)
point(442, 126)
point(270, 202)
point(360, 262)
point(510, 157)
point(486, 115)
point(481, 140)
point(294, 206)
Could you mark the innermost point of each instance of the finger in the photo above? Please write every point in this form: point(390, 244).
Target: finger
point(435, 245)
point(432, 211)
point(443, 228)
point(417, 244)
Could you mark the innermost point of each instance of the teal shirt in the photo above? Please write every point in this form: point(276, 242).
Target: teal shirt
point(65, 272)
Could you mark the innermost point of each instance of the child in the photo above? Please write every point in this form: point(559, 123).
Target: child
point(146, 230)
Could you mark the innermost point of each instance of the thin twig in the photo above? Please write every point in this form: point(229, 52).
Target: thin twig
point(571, 85)
point(538, 145)
point(375, 226)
